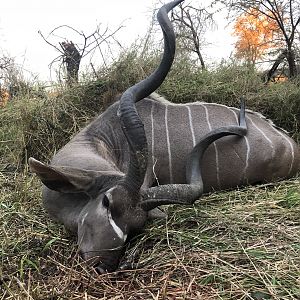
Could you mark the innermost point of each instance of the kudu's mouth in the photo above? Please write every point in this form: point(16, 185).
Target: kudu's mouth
point(103, 261)
point(102, 268)
point(122, 265)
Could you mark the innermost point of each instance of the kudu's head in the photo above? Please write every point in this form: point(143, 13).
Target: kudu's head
point(104, 225)
point(120, 207)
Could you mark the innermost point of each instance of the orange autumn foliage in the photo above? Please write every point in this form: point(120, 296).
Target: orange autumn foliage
point(256, 33)
point(4, 97)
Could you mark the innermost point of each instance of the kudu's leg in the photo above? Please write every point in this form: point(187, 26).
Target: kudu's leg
point(192, 191)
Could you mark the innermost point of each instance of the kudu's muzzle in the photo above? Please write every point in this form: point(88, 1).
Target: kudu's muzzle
point(106, 262)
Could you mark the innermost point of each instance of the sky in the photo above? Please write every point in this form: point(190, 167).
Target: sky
point(20, 22)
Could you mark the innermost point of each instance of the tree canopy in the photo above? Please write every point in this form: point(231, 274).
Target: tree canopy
point(285, 13)
point(256, 34)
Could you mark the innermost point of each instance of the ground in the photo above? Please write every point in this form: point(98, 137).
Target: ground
point(240, 244)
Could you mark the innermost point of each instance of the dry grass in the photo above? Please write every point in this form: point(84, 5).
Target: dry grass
point(243, 244)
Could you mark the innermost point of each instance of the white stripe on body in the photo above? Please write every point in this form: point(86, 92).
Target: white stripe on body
point(168, 144)
point(152, 132)
point(247, 145)
point(214, 144)
point(272, 145)
point(191, 125)
point(269, 140)
point(263, 134)
point(281, 132)
point(154, 160)
point(292, 149)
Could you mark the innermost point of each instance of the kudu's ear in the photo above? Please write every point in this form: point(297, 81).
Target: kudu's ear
point(62, 179)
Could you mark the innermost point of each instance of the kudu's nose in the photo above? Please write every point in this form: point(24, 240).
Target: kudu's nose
point(101, 268)
point(93, 262)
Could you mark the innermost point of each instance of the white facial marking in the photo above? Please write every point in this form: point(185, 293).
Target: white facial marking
point(83, 218)
point(116, 228)
point(111, 221)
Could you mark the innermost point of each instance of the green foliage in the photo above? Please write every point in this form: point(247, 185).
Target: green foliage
point(281, 103)
point(225, 84)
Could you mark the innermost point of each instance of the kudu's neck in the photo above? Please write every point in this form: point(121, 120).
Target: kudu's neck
point(107, 139)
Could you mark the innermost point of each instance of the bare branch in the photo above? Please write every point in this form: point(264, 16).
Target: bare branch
point(52, 45)
point(71, 54)
point(190, 24)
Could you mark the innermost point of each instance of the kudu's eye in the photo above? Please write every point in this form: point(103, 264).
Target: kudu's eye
point(105, 201)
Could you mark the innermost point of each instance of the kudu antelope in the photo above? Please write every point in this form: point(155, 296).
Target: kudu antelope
point(144, 151)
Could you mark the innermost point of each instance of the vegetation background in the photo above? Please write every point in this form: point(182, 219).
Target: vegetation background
point(240, 244)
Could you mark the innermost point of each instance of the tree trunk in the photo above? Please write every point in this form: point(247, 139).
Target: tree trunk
point(290, 56)
point(201, 59)
point(72, 59)
point(277, 62)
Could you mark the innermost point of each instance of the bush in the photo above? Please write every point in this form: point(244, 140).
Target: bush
point(41, 125)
